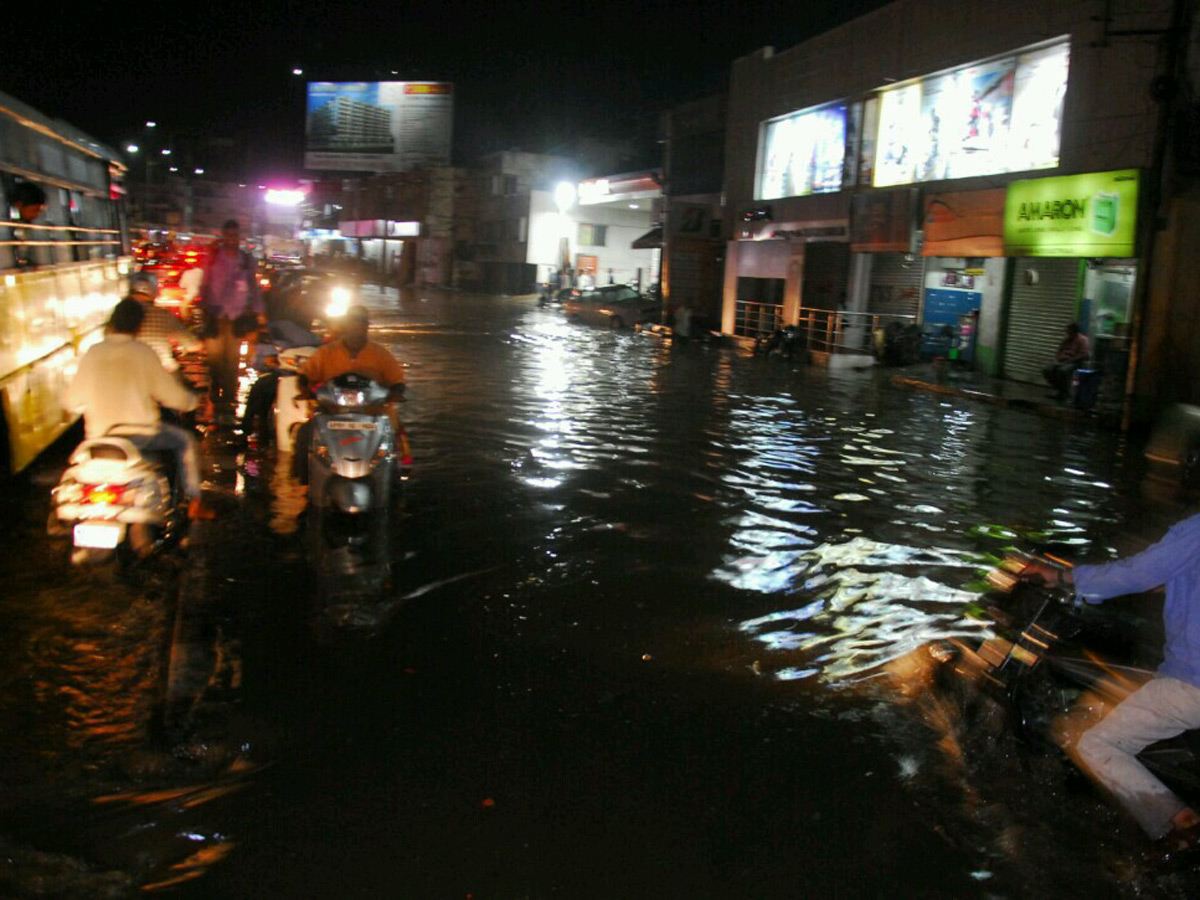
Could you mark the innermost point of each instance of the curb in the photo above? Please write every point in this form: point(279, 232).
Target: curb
point(1103, 419)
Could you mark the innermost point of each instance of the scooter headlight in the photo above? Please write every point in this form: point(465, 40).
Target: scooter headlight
point(339, 303)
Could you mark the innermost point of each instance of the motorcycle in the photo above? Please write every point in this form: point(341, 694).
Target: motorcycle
point(115, 501)
point(1050, 664)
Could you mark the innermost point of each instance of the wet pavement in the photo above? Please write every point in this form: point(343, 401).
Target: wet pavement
point(642, 627)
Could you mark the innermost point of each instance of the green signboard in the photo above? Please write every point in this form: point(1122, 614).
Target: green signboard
point(1072, 215)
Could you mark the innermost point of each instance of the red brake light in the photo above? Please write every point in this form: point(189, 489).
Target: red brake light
point(107, 494)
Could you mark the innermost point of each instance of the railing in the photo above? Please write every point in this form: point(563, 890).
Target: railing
point(839, 331)
point(757, 320)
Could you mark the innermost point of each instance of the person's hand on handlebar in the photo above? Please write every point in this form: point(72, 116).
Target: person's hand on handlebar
point(1050, 576)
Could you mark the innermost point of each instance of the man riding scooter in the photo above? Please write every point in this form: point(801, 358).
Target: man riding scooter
point(352, 351)
point(121, 382)
point(1165, 706)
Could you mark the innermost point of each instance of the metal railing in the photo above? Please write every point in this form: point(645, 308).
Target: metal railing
point(839, 331)
point(757, 320)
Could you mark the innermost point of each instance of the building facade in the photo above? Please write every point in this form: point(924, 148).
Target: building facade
point(987, 174)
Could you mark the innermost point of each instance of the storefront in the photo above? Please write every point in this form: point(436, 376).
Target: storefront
point(882, 227)
point(777, 268)
point(1073, 237)
point(965, 275)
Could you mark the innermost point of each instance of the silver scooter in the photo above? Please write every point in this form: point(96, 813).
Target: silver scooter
point(352, 453)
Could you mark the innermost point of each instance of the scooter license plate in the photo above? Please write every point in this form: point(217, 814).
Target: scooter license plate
point(351, 426)
point(99, 535)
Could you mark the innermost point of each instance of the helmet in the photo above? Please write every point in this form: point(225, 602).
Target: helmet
point(143, 283)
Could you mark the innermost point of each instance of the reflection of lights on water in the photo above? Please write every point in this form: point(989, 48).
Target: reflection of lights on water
point(857, 619)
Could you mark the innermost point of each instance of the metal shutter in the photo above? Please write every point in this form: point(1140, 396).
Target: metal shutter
point(895, 287)
point(1038, 315)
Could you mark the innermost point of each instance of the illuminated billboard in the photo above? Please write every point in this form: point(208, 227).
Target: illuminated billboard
point(378, 126)
point(984, 119)
point(803, 153)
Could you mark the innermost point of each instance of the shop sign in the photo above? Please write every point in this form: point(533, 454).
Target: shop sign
point(807, 231)
point(1092, 215)
point(964, 223)
point(883, 221)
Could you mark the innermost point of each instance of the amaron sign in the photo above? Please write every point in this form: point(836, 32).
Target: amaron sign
point(1092, 215)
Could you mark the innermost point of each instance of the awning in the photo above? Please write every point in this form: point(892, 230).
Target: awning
point(651, 240)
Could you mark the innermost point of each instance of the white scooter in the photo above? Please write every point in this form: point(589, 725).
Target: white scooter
point(114, 501)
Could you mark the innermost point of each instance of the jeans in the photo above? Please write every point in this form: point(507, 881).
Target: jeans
point(1162, 708)
point(224, 352)
point(183, 446)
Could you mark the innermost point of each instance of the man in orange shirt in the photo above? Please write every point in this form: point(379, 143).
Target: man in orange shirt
point(352, 351)
point(355, 352)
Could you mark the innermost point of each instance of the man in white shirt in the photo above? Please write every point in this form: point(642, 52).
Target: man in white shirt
point(121, 382)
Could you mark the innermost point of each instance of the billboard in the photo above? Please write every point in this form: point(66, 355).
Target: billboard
point(378, 126)
point(803, 153)
point(984, 119)
point(1092, 215)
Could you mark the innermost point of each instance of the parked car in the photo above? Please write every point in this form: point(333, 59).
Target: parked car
point(614, 305)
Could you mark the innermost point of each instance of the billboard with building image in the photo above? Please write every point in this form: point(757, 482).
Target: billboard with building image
point(378, 126)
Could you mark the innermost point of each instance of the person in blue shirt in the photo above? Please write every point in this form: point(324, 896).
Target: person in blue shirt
point(1168, 704)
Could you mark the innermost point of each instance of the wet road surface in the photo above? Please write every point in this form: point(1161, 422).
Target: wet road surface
point(628, 640)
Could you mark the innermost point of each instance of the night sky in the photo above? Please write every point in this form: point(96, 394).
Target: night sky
point(527, 76)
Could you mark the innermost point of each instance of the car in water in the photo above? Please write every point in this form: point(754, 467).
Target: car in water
point(614, 305)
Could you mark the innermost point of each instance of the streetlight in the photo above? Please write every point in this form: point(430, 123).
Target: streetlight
point(151, 124)
point(297, 71)
point(199, 171)
point(166, 152)
point(564, 196)
point(132, 148)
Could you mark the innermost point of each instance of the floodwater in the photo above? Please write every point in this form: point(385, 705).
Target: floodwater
point(640, 628)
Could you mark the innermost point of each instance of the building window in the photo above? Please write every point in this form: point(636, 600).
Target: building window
point(593, 235)
point(510, 185)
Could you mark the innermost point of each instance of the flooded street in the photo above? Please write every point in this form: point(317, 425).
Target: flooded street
point(630, 639)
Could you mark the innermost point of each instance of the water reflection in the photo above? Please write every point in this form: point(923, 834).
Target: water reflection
point(860, 610)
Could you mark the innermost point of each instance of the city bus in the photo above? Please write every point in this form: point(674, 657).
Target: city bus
point(61, 273)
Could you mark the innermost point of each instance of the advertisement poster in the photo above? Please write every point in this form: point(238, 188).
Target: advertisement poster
point(899, 135)
point(804, 154)
point(986, 119)
point(388, 126)
point(965, 119)
point(1041, 87)
point(1092, 215)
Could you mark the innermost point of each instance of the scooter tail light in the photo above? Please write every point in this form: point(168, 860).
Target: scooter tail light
point(106, 494)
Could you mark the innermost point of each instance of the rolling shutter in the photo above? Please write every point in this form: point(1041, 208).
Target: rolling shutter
point(895, 287)
point(1038, 315)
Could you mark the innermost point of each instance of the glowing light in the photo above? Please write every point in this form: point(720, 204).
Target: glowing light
point(151, 124)
point(339, 303)
point(283, 197)
point(166, 151)
point(564, 196)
